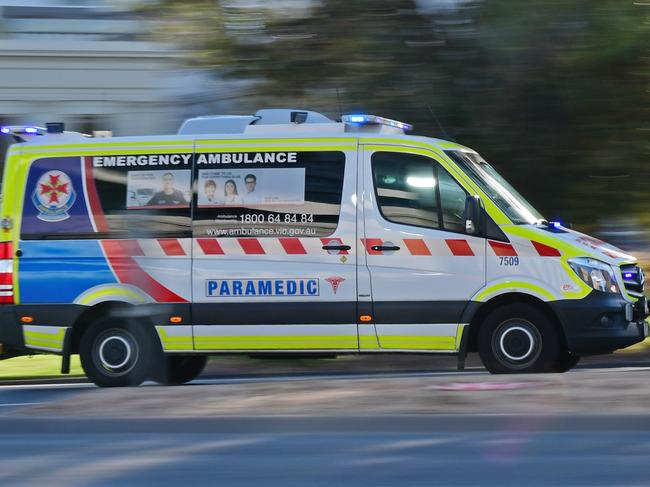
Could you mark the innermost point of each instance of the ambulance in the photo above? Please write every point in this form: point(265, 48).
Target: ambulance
point(286, 232)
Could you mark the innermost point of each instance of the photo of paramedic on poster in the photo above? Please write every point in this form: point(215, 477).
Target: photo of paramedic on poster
point(260, 187)
point(158, 189)
point(251, 196)
point(210, 193)
point(230, 194)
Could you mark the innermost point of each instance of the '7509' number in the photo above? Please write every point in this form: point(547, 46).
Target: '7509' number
point(509, 261)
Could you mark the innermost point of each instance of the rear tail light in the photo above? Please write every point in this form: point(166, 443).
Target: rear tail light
point(6, 273)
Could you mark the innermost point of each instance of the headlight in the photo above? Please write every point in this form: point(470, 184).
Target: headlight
point(595, 274)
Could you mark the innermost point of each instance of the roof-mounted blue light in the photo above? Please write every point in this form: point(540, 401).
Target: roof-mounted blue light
point(22, 130)
point(363, 119)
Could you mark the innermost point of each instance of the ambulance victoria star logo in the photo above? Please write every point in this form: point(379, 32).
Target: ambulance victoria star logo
point(53, 196)
point(335, 281)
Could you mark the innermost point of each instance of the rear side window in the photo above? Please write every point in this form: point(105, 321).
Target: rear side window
point(108, 197)
point(283, 194)
point(415, 190)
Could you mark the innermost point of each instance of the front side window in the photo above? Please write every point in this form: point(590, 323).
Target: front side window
point(415, 190)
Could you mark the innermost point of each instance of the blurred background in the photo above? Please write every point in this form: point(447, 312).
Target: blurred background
point(554, 93)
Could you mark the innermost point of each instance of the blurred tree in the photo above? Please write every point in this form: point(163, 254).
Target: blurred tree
point(554, 93)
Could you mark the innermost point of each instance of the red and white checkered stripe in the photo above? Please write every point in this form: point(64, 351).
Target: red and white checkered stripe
point(456, 247)
point(266, 246)
point(162, 247)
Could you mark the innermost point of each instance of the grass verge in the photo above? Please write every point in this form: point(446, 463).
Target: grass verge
point(37, 366)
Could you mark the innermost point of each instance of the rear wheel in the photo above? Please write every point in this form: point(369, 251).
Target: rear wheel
point(180, 369)
point(116, 353)
point(519, 338)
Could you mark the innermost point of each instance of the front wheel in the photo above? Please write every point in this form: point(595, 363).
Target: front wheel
point(116, 353)
point(519, 338)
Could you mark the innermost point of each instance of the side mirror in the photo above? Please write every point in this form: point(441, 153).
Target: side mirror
point(473, 215)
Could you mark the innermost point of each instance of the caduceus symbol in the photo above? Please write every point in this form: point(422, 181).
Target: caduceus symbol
point(335, 281)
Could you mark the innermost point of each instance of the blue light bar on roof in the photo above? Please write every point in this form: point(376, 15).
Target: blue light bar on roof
point(363, 119)
point(22, 130)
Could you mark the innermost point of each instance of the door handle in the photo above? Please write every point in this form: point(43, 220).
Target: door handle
point(381, 248)
point(336, 247)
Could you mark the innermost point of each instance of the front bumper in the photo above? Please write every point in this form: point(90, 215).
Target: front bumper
point(601, 322)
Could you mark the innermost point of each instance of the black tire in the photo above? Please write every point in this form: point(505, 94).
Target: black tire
point(180, 369)
point(566, 362)
point(519, 338)
point(117, 352)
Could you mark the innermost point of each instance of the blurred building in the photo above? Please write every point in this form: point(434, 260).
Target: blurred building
point(89, 64)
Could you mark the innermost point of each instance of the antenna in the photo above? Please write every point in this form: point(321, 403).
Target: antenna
point(338, 98)
point(442, 129)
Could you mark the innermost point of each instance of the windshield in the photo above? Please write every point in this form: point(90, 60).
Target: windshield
point(516, 208)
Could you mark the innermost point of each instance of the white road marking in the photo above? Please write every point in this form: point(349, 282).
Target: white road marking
point(20, 404)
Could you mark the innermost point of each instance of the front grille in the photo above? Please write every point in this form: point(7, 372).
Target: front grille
point(633, 279)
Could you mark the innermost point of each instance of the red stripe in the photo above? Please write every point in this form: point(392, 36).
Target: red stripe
point(460, 248)
point(171, 246)
point(97, 213)
point(210, 246)
point(120, 256)
point(334, 241)
point(545, 250)
point(131, 248)
point(251, 246)
point(292, 246)
point(369, 243)
point(503, 249)
point(417, 246)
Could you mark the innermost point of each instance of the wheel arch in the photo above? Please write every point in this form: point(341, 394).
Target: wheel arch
point(475, 315)
point(89, 316)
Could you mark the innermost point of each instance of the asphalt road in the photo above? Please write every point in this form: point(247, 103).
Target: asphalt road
point(442, 450)
point(345, 447)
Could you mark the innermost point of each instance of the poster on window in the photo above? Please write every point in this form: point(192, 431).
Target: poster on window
point(257, 187)
point(158, 189)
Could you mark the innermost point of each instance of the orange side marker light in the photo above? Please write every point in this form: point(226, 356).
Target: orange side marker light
point(27, 319)
point(175, 319)
point(365, 318)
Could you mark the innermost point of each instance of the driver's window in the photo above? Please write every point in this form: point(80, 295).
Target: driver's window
point(406, 188)
point(452, 202)
point(415, 190)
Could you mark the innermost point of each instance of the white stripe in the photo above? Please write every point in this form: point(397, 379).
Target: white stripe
point(418, 330)
point(272, 246)
point(275, 330)
point(230, 246)
point(6, 287)
point(314, 246)
point(91, 216)
point(6, 293)
point(186, 243)
point(151, 247)
point(6, 266)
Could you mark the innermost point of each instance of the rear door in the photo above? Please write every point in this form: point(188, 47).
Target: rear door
point(109, 224)
point(274, 263)
point(424, 268)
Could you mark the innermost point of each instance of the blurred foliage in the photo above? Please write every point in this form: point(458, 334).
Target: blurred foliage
point(555, 93)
